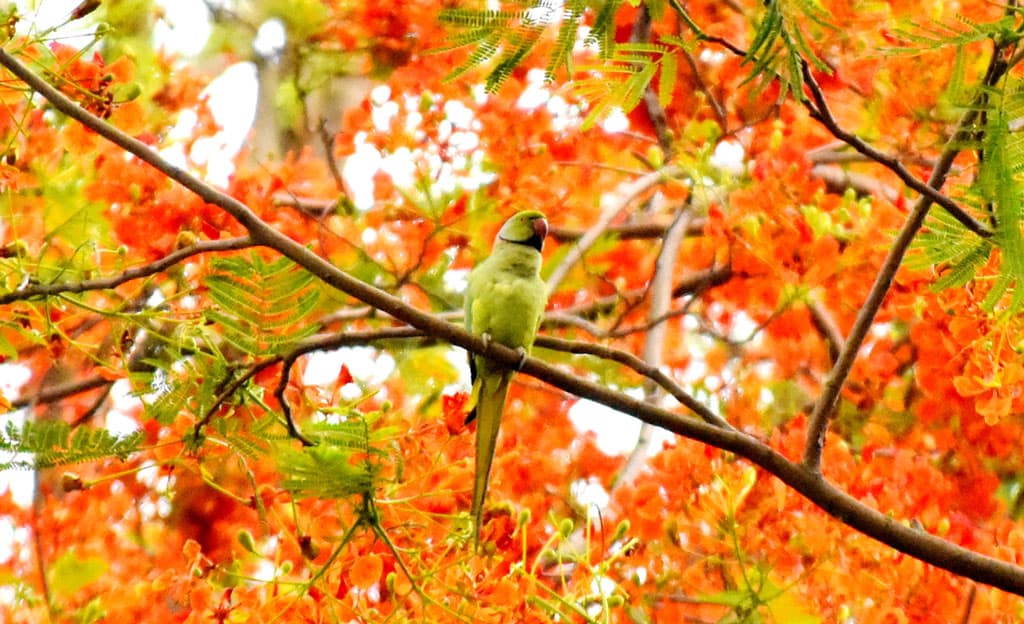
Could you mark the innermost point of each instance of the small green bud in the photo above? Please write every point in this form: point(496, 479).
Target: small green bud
point(565, 527)
point(621, 530)
point(246, 540)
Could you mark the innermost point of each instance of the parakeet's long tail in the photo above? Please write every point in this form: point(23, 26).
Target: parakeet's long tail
point(490, 404)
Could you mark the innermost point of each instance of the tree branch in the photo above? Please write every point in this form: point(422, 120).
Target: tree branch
point(617, 202)
point(809, 483)
point(103, 283)
point(821, 112)
point(628, 231)
point(823, 408)
point(661, 299)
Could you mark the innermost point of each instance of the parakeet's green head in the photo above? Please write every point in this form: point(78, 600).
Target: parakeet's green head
point(528, 227)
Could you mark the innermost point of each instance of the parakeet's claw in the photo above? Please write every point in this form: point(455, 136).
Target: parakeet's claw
point(486, 337)
point(522, 358)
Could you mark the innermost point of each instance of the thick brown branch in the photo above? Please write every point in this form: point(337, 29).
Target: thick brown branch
point(627, 231)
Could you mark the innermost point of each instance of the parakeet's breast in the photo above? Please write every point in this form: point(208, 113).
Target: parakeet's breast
point(513, 317)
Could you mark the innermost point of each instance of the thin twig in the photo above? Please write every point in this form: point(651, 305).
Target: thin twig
point(827, 327)
point(103, 283)
point(720, 115)
point(628, 231)
point(282, 400)
point(818, 108)
point(614, 203)
point(332, 163)
point(653, 373)
point(837, 180)
point(655, 111)
point(62, 391)
point(821, 112)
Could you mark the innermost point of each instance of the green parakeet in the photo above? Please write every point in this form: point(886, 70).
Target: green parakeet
point(505, 302)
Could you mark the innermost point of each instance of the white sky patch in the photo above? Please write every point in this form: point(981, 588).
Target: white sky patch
point(232, 99)
point(367, 365)
point(10, 535)
point(13, 378)
point(729, 156)
point(185, 26)
point(119, 422)
point(712, 57)
point(591, 495)
point(536, 92)
point(270, 38)
point(358, 172)
point(40, 16)
point(616, 433)
point(615, 121)
point(20, 483)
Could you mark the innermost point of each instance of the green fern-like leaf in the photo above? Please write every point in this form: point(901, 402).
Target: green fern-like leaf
point(247, 439)
point(261, 307)
point(602, 33)
point(621, 81)
point(566, 39)
point(508, 37)
point(521, 42)
point(935, 35)
point(344, 463)
point(998, 182)
point(55, 443)
point(780, 47)
point(998, 195)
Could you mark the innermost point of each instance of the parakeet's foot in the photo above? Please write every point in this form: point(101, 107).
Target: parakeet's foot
point(522, 358)
point(486, 337)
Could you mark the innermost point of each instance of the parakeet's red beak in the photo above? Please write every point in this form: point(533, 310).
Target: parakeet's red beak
point(540, 228)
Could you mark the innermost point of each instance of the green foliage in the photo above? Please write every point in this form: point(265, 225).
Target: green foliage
point(620, 82)
point(345, 461)
point(55, 443)
point(508, 37)
point(780, 47)
point(936, 35)
point(189, 381)
point(260, 309)
point(625, 71)
point(261, 306)
point(996, 193)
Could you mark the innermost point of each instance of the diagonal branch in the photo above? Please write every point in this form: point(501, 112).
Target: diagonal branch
point(809, 483)
point(823, 408)
point(654, 343)
point(823, 114)
point(613, 205)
